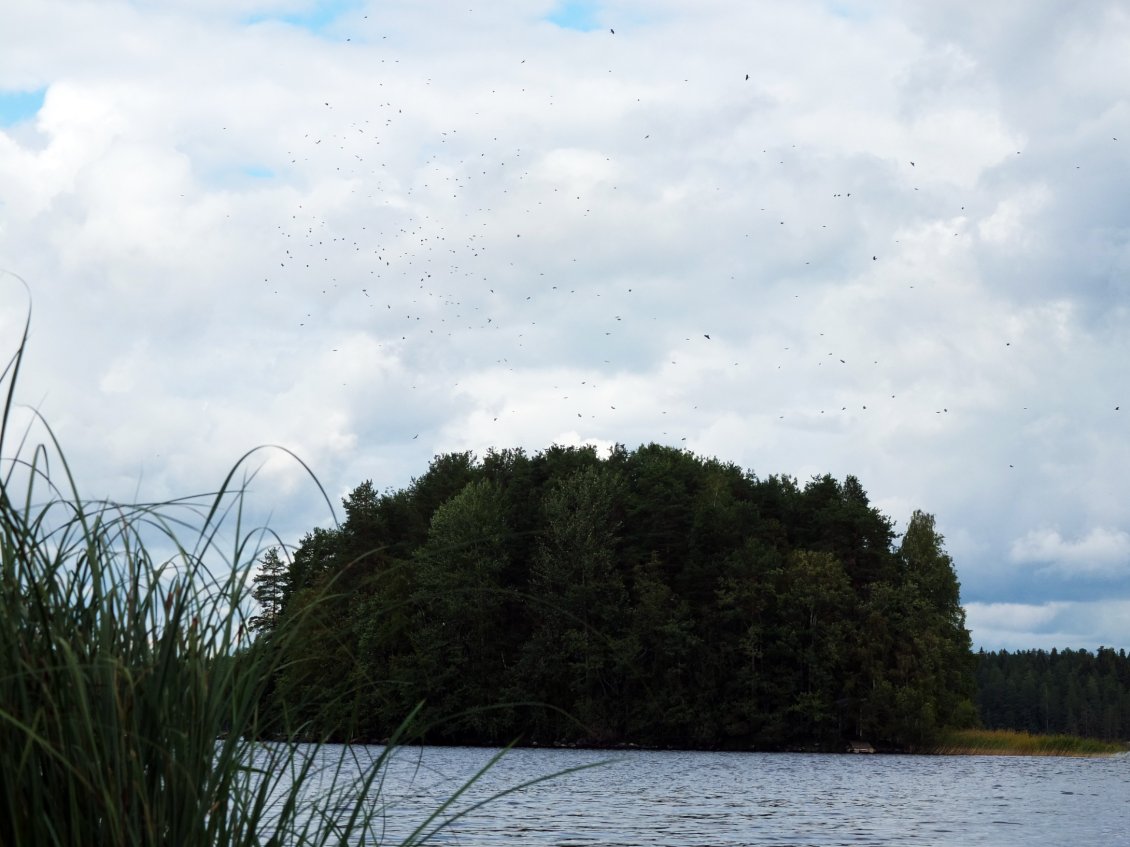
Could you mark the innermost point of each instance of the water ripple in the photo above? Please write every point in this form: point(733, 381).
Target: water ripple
point(687, 799)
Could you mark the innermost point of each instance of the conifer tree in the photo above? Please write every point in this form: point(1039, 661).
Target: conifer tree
point(269, 589)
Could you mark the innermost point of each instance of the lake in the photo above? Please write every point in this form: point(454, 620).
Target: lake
point(702, 798)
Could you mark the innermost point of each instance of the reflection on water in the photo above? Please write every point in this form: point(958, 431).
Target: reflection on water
point(697, 798)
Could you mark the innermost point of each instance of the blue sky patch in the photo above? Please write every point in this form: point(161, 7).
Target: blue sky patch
point(575, 14)
point(316, 18)
point(257, 171)
point(17, 106)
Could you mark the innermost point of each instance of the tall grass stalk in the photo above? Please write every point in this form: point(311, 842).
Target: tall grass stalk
point(130, 696)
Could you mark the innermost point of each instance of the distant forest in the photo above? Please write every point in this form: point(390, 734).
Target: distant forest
point(648, 596)
point(1072, 692)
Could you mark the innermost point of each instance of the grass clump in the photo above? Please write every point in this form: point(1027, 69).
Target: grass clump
point(1006, 742)
point(129, 706)
point(130, 693)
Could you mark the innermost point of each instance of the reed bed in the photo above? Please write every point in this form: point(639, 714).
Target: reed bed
point(1004, 742)
point(130, 692)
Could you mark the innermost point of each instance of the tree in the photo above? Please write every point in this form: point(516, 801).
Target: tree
point(269, 590)
point(939, 689)
point(317, 558)
point(930, 568)
point(745, 605)
point(321, 685)
point(575, 658)
point(661, 642)
point(815, 599)
point(461, 633)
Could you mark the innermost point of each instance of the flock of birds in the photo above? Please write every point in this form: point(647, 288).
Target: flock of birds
point(475, 255)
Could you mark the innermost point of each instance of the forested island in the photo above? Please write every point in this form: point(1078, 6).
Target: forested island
point(647, 596)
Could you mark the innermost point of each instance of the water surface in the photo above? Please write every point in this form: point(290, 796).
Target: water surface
point(683, 799)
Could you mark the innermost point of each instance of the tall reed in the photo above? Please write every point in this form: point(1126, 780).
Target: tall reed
point(129, 692)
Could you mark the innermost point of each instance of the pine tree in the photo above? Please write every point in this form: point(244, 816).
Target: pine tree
point(269, 589)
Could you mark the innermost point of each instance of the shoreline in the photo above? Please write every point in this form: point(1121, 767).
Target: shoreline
point(958, 743)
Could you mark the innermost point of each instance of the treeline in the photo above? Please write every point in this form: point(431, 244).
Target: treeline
point(649, 596)
point(1072, 692)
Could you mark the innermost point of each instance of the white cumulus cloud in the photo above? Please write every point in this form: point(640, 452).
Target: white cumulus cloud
point(1101, 552)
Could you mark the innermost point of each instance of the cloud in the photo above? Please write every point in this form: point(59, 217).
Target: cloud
point(316, 16)
point(1075, 625)
point(368, 250)
point(1102, 552)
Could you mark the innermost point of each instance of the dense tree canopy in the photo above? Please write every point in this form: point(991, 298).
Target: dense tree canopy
point(650, 597)
point(1073, 692)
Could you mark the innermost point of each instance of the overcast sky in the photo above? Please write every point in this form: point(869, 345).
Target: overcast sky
point(888, 239)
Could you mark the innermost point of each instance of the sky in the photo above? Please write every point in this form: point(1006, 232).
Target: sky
point(886, 239)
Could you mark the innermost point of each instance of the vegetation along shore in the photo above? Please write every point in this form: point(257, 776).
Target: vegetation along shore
point(1003, 742)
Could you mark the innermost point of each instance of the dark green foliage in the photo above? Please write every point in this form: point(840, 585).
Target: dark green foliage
point(460, 628)
point(1070, 692)
point(652, 597)
point(578, 602)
